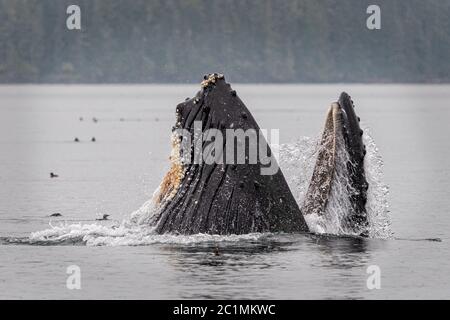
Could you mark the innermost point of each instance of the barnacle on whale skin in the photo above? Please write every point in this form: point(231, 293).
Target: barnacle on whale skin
point(211, 79)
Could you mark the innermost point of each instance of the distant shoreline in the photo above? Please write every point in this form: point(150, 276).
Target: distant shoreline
point(196, 83)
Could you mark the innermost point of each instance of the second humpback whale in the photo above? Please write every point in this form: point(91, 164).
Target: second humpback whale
point(229, 197)
point(340, 163)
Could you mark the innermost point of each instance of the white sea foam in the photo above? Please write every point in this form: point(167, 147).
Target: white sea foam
point(133, 231)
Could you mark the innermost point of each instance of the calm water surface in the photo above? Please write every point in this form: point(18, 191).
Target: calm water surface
point(119, 172)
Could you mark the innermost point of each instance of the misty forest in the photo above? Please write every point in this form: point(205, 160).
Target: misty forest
point(251, 41)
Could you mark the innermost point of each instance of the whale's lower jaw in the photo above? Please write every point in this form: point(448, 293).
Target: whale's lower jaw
point(340, 163)
point(210, 200)
point(222, 198)
point(319, 189)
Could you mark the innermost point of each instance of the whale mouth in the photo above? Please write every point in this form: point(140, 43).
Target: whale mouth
point(346, 121)
point(318, 194)
point(338, 187)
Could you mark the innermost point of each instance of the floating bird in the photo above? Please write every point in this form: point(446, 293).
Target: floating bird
point(93, 139)
point(57, 214)
point(53, 175)
point(81, 118)
point(95, 119)
point(76, 139)
point(105, 217)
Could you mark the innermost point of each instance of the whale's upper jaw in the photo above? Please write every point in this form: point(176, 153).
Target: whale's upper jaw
point(353, 137)
point(351, 129)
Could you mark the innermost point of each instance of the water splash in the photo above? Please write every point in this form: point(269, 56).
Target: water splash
point(134, 231)
point(334, 221)
point(377, 195)
point(297, 161)
point(97, 235)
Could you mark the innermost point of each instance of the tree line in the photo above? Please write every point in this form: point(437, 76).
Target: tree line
point(257, 41)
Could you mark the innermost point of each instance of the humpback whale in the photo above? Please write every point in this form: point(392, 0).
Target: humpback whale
point(223, 197)
point(231, 197)
point(341, 156)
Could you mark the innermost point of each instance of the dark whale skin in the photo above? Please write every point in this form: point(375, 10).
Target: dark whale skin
point(226, 198)
point(357, 151)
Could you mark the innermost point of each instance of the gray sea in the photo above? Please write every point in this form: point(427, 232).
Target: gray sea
point(408, 130)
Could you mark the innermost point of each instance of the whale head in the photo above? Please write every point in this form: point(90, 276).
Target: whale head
point(339, 175)
point(215, 185)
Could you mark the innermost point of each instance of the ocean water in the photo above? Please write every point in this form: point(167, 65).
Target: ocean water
point(406, 131)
